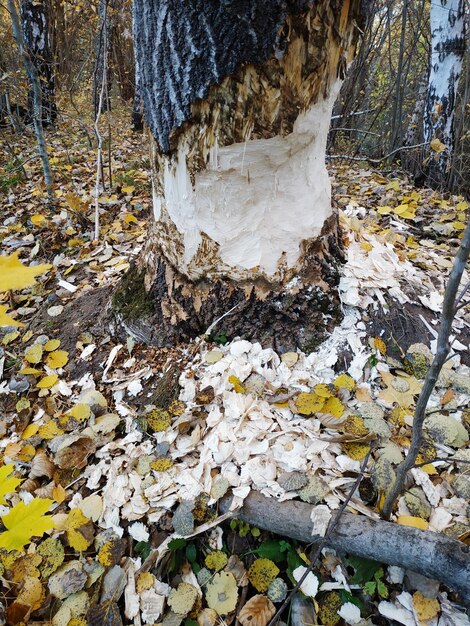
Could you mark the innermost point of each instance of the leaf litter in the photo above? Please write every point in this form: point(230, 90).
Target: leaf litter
point(108, 475)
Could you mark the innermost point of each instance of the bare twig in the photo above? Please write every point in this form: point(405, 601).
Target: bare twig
point(332, 525)
point(99, 140)
point(384, 158)
point(443, 349)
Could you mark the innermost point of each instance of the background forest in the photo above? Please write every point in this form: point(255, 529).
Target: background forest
point(188, 441)
point(381, 108)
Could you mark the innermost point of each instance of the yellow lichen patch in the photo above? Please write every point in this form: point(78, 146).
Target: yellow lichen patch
point(379, 344)
point(177, 408)
point(262, 573)
point(356, 451)
point(52, 554)
point(144, 581)
point(426, 608)
point(216, 560)
point(354, 425)
point(329, 606)
point(161, 465)
point(106, 554)
point(158, 420)
point(323, 391)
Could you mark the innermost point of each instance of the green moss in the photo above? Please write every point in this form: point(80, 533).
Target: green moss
point(131, 299)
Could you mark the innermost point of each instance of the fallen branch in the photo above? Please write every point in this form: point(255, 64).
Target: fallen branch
point(431, 554)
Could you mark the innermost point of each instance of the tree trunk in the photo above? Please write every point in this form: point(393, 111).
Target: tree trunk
point(137, 117)
point(36, 33)
point(104, 39)
point(447, 53)
point(238, 97)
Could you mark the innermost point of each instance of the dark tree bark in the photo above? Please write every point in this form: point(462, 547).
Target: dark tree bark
point(36, 34)
point(238, 97)
point(103, 47)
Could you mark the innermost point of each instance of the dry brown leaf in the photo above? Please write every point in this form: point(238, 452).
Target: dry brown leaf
point(257, 611)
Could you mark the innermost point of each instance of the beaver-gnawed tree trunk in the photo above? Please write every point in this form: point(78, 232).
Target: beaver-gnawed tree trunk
point(238, 96)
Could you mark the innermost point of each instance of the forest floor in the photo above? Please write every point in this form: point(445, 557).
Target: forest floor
point(127, 472)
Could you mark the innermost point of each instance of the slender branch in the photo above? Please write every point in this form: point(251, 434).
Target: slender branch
point(459, 299)
point(99, 138)
point(331, 527)
point(370, 160)
point(354, 130)
point(443, 349)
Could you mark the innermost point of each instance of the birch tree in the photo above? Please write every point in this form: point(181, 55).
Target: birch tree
point(238, 98)
point(448, 43)
point(36, 34)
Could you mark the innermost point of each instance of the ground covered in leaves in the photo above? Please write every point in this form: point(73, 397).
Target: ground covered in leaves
point(109, 486)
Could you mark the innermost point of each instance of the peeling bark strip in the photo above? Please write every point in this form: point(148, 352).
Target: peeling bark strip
point(35, 21)
point(238, 96)
point(431, 554)
point(448, 44)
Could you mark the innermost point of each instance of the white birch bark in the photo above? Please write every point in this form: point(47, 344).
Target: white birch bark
point(448, 43)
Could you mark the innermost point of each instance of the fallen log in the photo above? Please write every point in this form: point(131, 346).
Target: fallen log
point(431, 554)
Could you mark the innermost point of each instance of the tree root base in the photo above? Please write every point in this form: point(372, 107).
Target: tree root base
point(298, 314)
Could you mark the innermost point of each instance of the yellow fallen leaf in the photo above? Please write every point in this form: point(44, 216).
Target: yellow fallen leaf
point(323, 391)
point(80, 412)
point(384, 210)
point(344, 381)
point(15, 275)
point(75, 521)
point(27, 453)
point(393, 186)
point(30, 371)
point(25, 521)
point(309, 403)
point(237, 384)
point(32, 593)
point(437, 145)
point(365, 245)
point(52, 345)
point(57, 359)
point(30, 431)
point(34, 354)
point(426, 608)
point(458, 225)
point(130, 218)
point(50, 430)
point(47, 382)
point(129, 189)
point(59, 494)
point(38, 219)
point(7, 320)
point(9, 337)
point(8, 484)
point(415, 522)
